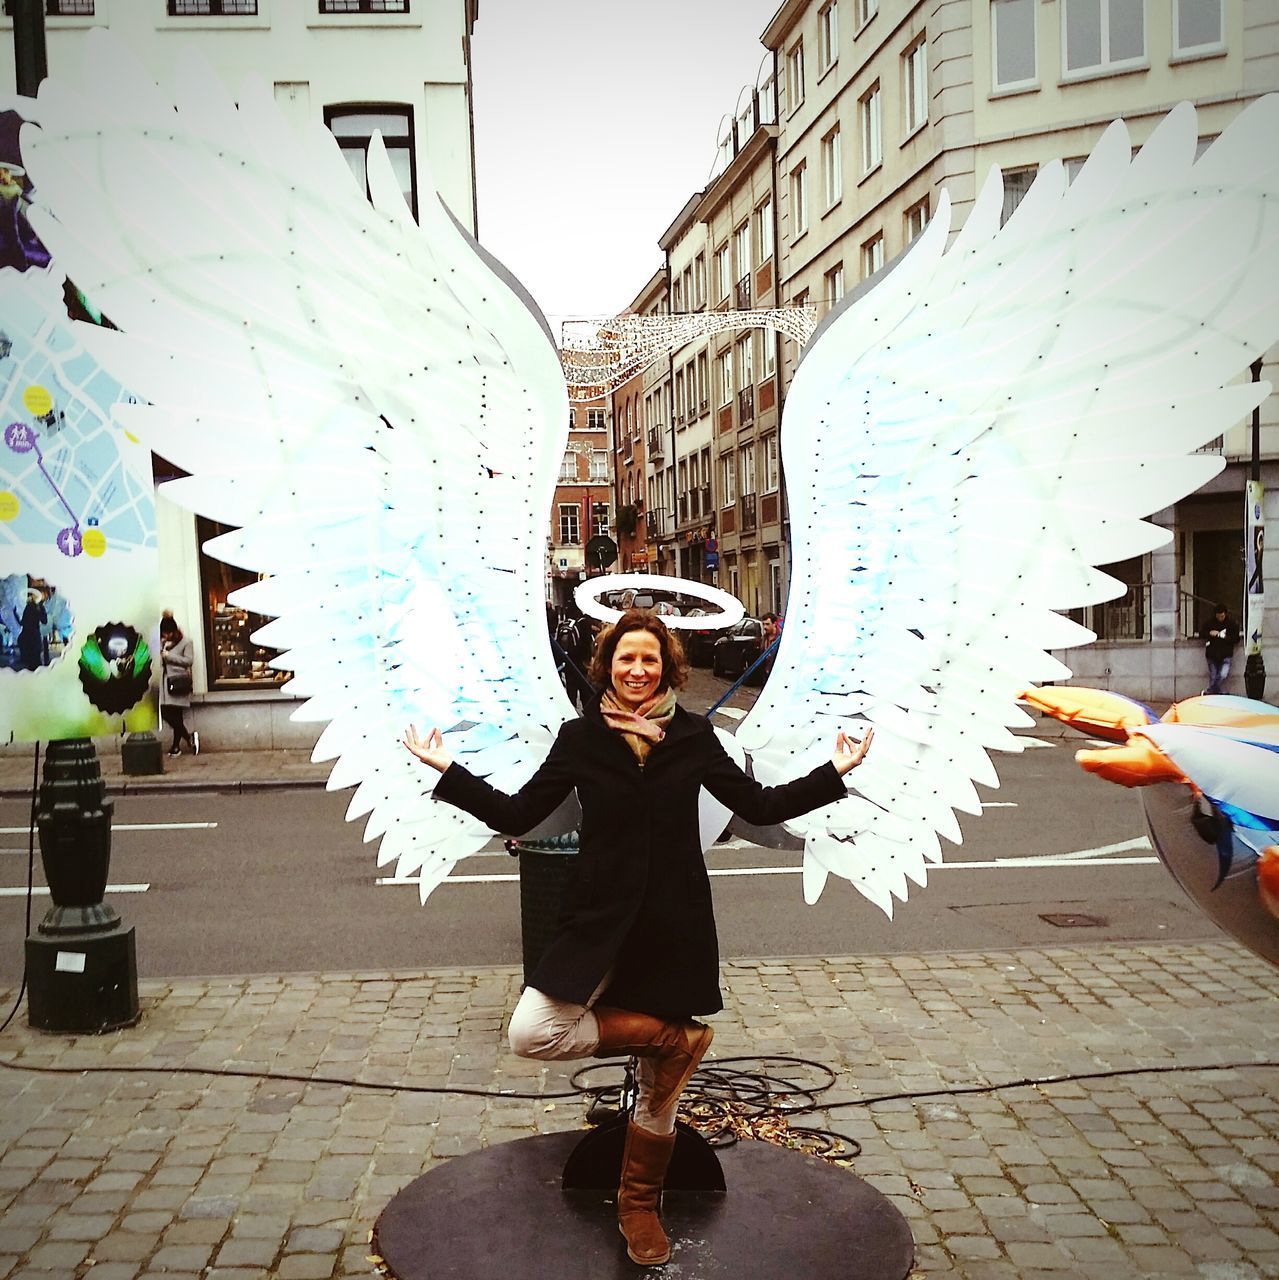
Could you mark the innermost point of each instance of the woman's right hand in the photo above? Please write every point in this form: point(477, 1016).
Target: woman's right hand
point(429, 750)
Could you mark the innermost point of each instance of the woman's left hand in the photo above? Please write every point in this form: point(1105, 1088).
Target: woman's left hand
point(850, 752)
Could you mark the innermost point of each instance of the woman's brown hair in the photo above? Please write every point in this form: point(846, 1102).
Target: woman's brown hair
point(674, 664)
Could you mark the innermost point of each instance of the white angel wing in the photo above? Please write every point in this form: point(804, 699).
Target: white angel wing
point(968, 438)
point(369, 400)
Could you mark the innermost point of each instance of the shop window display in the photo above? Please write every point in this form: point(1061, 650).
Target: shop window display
point(233, 660)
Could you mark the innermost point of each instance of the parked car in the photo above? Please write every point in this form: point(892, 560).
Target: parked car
point(736, 648)
point(698, 645)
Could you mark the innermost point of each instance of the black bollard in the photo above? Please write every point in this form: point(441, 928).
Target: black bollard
point(82, 973)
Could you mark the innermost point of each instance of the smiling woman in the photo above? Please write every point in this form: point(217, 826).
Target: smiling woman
point(636, 953)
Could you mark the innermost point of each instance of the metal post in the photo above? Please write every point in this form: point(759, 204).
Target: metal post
point(1254, 524)
point(31, 63)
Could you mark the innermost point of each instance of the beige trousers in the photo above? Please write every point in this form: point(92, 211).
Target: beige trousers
point(556, 1030)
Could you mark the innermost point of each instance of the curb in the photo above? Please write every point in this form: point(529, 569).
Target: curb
point(163, 788)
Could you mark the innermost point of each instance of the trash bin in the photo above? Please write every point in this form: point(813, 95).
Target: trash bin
point(140, 754)
point(545, 866)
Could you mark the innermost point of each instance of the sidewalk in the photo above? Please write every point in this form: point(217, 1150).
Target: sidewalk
point(216, 769)
point(119, 1175)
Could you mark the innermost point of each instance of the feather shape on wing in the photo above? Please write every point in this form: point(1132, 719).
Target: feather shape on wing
point(369, 400)
point(967, 439)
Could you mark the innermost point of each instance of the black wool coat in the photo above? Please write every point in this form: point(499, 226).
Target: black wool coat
point(639, 900)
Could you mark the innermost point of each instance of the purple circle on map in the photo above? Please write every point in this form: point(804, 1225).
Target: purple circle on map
point(69, 541)
point(19, 437)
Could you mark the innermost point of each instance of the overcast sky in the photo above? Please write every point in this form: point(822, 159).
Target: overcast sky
point(595, 120)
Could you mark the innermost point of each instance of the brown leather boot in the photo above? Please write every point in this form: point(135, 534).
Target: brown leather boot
point(644, 1162)
point(677, 1047)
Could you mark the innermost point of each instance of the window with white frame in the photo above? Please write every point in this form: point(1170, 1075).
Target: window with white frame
point(1102, 35)
point(568, 467)
point(1012, 39)
point(747, 452)
point(795, 76)
point(699, 280)
point(680, 406)
point(827, 35)
point(866, 10)
point(835, 284)
point(745, 376)
point(570, 523)
point(772, 472)
point(799, 199)
point(742, 248)
point(873, 254)
point(915, 84)
point(832, 168)
point(768, 341)
point(364, 6)
point(869, 109)
point(724, 376)
point(728, 479)
point(1072, 165)
point(598, 459)
point(212, 8)
point(596, 419)
point(916, 219)
point(1016, 184)
point(702, 398)
point(1197, 27)
point(764, 232)
point(354, 126)
point(723, 273)
point(689, 300)
point(677, 296)
point(599, 519)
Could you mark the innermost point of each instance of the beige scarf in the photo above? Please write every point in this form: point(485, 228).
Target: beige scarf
point(642, 728)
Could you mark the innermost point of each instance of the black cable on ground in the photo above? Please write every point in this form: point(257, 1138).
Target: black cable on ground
point(31, 870)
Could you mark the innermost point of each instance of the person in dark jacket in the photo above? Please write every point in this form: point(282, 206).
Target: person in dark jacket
point(1221, 634)
point(636, 953)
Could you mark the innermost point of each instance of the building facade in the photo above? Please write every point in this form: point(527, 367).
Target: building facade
point(358, 67)
point(583, 505)
point(883, 105)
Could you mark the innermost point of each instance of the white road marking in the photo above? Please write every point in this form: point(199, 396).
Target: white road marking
point(41, 892)
point(1000, 864)
point(733, 713)
point(999, 804)
point(131, 826)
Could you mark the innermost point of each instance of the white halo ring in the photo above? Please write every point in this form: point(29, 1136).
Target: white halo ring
point(587, 595)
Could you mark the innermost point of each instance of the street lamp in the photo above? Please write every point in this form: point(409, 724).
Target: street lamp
point(81, 970)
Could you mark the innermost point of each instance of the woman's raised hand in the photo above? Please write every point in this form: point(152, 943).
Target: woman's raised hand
point(850, 752)
point(429, 750)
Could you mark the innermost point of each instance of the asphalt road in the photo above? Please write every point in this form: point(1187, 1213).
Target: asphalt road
point(278, 882)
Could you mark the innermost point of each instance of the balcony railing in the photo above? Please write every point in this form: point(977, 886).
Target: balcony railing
point(746, 506)
point(656, 443)
point(742, 293)
point(745, 405)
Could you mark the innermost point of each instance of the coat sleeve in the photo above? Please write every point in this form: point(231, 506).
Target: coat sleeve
point(511, 815)
point(182, 654)
point(763, 806)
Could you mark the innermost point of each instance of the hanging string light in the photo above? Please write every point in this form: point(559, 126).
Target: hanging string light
point(599, 356)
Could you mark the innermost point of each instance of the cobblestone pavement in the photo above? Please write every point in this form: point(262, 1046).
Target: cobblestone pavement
point(183, 1171)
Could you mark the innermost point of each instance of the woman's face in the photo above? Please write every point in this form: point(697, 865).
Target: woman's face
point(636, 670)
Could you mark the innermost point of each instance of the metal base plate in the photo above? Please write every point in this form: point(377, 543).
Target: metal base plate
point(501, 1212)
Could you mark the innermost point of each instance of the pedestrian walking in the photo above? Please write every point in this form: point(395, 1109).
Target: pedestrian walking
point(636, 954)
point(1221, 634)
point(177, 657)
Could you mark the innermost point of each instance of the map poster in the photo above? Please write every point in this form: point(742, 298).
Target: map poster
point(78, 559)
